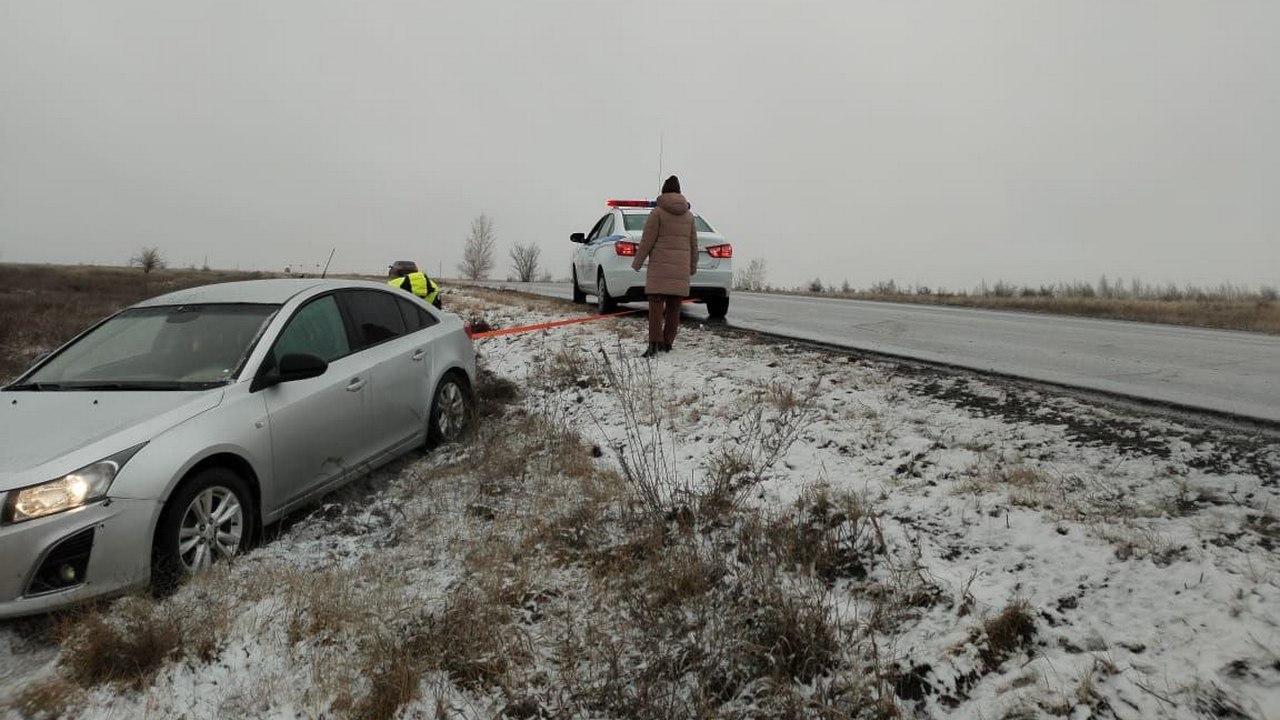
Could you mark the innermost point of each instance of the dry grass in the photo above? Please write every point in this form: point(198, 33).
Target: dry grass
point(1107, 511)
point(829, 537)
point(709, 631)
point(724, 621)
point(563, 366)
point(55, 697)
point(129, 644)
point(493, 393)
point(473, 639)
point(687, 621)
point(480, 299)
point(1008, 632)
point(393, 667)
point(43, 306)
point(1133, 540)
point(771, 419)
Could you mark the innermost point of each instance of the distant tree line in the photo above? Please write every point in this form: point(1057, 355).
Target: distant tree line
point(1107, 289)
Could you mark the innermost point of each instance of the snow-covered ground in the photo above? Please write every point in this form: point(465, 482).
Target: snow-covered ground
point(1141, 549)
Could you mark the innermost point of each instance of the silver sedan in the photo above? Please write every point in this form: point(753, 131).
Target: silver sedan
point(162, 439)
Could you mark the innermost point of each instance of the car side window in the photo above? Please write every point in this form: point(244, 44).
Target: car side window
point(607, 229)
point(415, 318)
point(316, 329)
point(375, 315)
point(595, 231)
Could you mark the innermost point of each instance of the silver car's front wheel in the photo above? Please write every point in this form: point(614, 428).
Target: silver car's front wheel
point(212, 529)
point(208, 519)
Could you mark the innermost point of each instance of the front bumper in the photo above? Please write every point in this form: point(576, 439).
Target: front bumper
point(119, 558)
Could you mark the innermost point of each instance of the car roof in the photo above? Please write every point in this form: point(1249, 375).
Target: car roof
point(273, 292)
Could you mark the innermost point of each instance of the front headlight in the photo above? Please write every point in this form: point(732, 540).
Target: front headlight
point(88, 484)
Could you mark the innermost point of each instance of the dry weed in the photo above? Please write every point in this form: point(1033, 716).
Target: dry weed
point(775, 417)
point(830, 537)
point(647, 452)
point(393, 667)
point(472, 639)
point(493, 393)
point(573, 518)
point(1008, 632)
point(1135, 541)
point(564, 366)
point(55, 697)
point(126, 648)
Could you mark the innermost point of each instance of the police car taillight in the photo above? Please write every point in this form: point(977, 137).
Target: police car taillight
point(625, 248)
point(630, 203)
point(721, 252)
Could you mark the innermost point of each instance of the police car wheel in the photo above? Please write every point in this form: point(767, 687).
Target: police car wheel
point(605, 302)
point(579, 297)
point(717, 308)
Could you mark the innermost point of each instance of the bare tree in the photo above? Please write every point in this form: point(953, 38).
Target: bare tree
point(477, 257)
point(149, 259)
point(752, 278)
point(525, 259)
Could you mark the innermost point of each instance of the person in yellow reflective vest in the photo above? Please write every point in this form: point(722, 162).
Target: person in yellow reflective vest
point(419, 284)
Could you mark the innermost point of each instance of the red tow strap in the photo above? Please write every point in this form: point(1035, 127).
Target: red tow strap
point(554, 323)
point(545, 325)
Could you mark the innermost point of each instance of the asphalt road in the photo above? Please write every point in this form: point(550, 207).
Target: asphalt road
point(1223, 371)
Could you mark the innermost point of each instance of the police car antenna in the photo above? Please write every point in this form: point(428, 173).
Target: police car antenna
point(659, 159)
point(326, 264)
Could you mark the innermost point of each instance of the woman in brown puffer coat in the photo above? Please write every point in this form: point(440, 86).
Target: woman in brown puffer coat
point(670, 243)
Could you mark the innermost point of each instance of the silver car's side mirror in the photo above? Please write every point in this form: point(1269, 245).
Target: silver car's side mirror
point(291, 368)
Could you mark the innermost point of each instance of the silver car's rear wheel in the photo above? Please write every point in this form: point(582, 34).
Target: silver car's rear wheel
point(208, 519)
point(451, 410)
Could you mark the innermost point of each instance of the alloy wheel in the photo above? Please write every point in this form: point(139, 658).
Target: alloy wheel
point(212, 529)
point(452, 416)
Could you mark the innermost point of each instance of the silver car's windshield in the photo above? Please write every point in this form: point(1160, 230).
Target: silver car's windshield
point(175, 347)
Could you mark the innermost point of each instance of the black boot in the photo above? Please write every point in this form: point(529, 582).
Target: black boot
point(666, 347)
point(652, 350)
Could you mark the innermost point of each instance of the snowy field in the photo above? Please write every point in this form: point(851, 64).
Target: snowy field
point(739, 528)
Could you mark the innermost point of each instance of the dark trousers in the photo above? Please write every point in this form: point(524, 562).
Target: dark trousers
point(664, 318)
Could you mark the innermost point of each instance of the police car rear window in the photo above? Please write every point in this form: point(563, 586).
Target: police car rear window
point(635, 221)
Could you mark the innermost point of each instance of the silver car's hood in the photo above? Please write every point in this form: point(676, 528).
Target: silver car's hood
point(62, 431)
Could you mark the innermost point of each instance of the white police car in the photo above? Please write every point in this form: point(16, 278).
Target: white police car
point(602, 265)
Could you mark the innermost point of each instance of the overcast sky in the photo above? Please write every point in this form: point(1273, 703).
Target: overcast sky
point(935, 143)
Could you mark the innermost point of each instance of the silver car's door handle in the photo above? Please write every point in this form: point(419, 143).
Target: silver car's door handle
point(355, 384)
point(419, 354)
